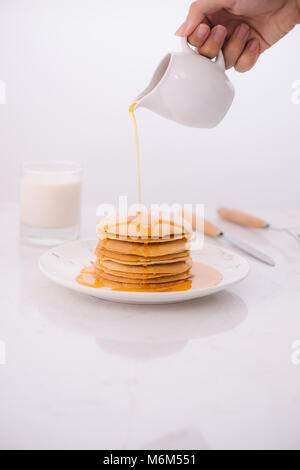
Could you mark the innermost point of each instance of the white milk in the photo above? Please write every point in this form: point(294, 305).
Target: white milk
point(50, 200)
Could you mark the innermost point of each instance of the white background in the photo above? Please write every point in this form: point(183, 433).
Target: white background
point(72, 68)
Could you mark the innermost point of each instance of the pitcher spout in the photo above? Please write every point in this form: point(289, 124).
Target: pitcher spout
point(152, 101)
point(148, 97)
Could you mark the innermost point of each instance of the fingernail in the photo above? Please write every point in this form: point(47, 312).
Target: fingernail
point(253, 45)
point(218, 34)
point(202, 31)
point(242, 31)
point(184, 29)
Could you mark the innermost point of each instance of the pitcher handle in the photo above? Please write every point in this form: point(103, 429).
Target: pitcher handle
point(220, 62)
point(186, 47)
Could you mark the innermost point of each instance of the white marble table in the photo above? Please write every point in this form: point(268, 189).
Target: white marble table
point(216, 373)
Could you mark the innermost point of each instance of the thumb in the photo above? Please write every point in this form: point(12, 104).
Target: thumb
point(197, 13)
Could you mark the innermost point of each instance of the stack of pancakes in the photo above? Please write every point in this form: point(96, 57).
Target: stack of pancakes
point(143, 252)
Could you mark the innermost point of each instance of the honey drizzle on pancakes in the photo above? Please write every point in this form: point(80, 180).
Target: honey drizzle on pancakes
point(202, 276)
point(150, 223)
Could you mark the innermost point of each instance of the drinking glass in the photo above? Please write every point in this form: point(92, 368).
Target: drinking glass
point(50, 194)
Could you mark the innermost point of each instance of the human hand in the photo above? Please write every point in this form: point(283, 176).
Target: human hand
point(242, 28)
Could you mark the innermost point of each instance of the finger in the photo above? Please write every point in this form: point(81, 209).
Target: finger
point(235, 45)
point(249, 57)
point(197, 12)
point(199, 36)
point(214, 43)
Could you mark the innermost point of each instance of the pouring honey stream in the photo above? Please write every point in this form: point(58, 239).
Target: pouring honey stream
point(132, 115)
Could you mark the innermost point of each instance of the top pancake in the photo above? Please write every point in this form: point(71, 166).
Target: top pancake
point(142, 227)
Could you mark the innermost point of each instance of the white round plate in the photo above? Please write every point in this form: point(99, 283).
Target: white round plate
point(63, 263)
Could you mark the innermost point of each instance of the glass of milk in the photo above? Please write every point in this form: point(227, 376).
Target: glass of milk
point(50, 195)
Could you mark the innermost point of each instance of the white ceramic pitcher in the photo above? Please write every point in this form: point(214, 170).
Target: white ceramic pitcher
point(189, 88)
